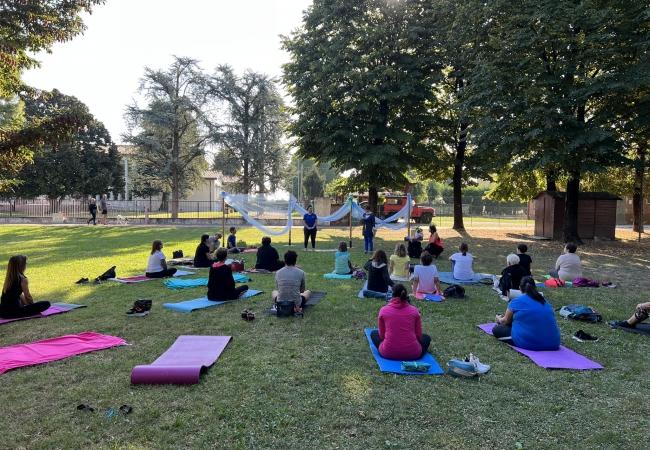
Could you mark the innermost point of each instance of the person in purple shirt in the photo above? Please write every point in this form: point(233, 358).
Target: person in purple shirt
point(310, 229)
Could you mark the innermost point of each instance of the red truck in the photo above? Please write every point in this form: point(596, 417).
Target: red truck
point(419, 213)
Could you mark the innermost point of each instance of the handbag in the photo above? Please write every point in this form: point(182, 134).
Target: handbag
point(177, 254)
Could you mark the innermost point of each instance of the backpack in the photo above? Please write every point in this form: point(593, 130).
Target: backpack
point(110, 273)
point(580, 312)
point(359, 274)
point(554, 283)
point(237, 266)
point(284, 309)
point(454, 291)
point(177, 254)
point(585, 282)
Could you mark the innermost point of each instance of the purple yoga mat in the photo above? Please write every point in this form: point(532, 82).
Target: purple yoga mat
point(183, 362)
point(48, 312)
point(564, 358)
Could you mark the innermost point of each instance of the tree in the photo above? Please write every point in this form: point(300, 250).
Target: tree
point(249, 134)
point(360, 75)
point(313, 184)
point(549, 77)
point(80, 164)
point(170, 132)
point(28, 27)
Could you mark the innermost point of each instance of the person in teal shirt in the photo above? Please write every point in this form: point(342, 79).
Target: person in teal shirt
point(529, 322)
point(342, 264)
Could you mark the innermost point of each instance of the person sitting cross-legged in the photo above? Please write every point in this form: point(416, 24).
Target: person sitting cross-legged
point(221, 284)
point(157, 265)
point(268, 257)
point(16, 300)
point(290, 283)
point(511, 277)
point(425, 276)
point(342, 263)
point(641, 313)
point(378, 277)
point(529, 321)
point(202, 255)
point(400, 329)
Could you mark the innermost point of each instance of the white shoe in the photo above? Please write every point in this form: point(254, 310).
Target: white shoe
point(480, 367)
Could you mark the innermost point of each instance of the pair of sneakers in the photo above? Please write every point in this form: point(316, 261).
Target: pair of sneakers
point(141, 308)
point(469, 367)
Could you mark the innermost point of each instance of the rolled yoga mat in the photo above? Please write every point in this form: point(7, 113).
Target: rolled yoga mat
point(394, 366)
point(55, 308)
point(564, 358)
point(183, 362)
point(479, 278)
point(173, 283)
point(53, 349)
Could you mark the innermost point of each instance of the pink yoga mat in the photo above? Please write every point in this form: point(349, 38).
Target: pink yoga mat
point(564, 358)
point(53, 349)
point(48, 312)
point(183, 362)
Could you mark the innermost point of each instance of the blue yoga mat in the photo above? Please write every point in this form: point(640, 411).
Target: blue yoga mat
point(433, 298)
point(337, 276)
point(448, 278)
point(178, 283)
point(391, 366)
point(202, 303)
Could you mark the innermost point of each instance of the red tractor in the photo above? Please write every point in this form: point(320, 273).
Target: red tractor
point(395, 202)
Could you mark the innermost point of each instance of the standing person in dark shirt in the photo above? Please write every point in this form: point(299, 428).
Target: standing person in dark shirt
point(221, 284)
point(369, 224)
point(16, 300)
point(268, 257)
point(310, 228)
point(92, 209)
point(524, 260)
point(202, 256)
point(103, 205)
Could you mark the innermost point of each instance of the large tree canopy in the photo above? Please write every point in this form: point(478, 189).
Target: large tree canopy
point(249, 129)
point(170, 131)
point(360, 75)
point(78, 164)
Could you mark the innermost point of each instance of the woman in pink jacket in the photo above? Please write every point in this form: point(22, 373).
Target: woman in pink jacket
point(400, 329)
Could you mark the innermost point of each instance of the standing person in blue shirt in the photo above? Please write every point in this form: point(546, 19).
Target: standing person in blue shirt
point(310, 227)
point(529, 321)
point(368, 231)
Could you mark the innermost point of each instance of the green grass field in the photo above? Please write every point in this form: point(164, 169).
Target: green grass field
point(312, 382)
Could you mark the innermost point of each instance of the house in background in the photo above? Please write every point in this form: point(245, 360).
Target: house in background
point(625, 211)
point(206, 195)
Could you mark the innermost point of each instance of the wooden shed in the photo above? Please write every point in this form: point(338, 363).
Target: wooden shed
point(596, 215)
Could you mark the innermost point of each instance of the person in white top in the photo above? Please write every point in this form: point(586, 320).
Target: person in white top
point(425, 276)
point(568, 266)
point(157, 266)
point(461, 263)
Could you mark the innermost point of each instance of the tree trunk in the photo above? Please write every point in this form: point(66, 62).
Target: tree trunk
point(637, 196)
point(551, 178)
point(246, 178)
point(373, 199)
point(571, 208)
point(175, 193)
point(457, 180)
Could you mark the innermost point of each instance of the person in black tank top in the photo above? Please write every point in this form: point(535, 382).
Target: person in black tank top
point(16, 300)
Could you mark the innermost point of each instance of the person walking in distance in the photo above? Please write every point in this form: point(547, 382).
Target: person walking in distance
point(103, 204)
point(92, 209)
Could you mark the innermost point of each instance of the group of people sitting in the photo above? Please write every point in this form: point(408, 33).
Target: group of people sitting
point(205, 254)
point(434, 246)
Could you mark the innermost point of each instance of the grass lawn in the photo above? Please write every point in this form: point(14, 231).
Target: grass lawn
point(312, 382)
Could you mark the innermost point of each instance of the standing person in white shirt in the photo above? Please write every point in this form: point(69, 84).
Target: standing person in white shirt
point(462, 263)
point(568, 266)
point(103, 205)
point(425, 276)
point(157, 266)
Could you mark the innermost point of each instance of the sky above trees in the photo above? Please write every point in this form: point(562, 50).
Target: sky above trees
point(103, 67)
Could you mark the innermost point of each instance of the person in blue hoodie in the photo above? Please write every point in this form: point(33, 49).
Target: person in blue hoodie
point(529, 321)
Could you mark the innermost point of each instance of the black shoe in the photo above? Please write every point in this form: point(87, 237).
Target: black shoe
point(82, 281)
point(581, 336)
point(140, 308)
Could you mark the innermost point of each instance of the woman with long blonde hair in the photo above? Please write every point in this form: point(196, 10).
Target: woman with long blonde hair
point(16, 300)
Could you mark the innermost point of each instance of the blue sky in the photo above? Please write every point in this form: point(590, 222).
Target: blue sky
point(103, 66)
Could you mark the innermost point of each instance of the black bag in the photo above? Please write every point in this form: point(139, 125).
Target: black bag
point(110, 273)
point(454, 291)
point(177, 254)
point(284, 309)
